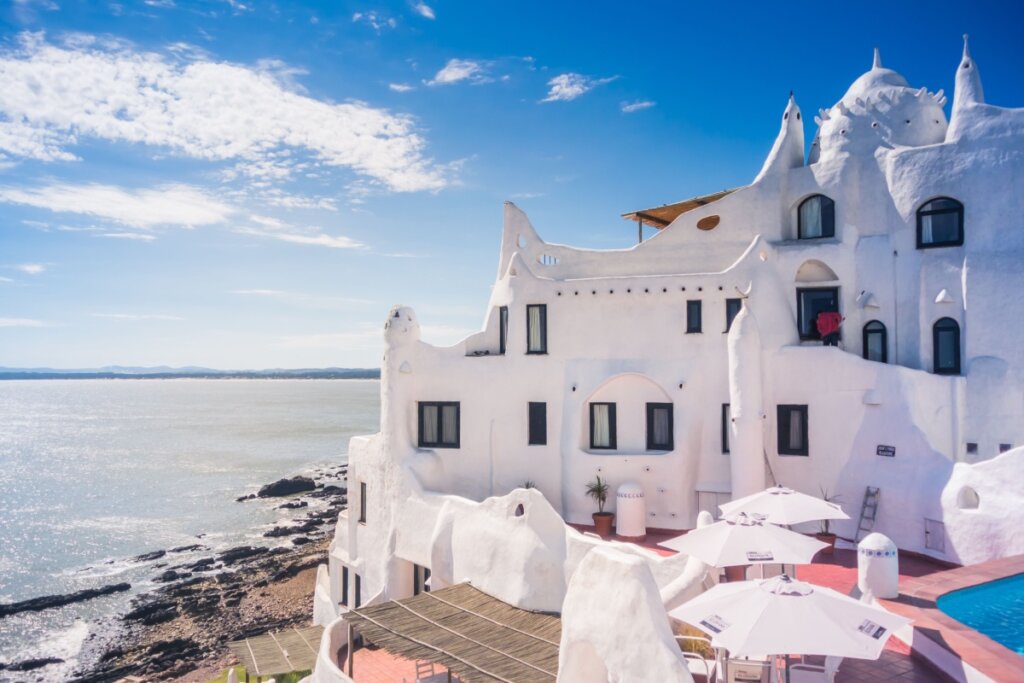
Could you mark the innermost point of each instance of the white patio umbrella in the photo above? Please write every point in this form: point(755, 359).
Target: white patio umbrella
point(742, 540)
point(780, 615)
point(781, 505)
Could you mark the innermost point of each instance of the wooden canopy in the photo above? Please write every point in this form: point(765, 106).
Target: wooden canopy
point(660, 216)
point(279, 652)
point(476, 636)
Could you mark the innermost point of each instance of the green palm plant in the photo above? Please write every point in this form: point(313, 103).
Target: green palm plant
point(598, 490)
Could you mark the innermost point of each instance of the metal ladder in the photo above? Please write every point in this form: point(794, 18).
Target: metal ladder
point(868, 512)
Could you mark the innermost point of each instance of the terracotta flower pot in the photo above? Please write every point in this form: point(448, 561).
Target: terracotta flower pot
point(603, 524)
point(827, 538)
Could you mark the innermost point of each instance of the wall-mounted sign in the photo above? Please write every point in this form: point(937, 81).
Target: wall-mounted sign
point(887, 451)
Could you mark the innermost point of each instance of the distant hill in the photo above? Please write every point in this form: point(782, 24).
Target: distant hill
point(164, 372)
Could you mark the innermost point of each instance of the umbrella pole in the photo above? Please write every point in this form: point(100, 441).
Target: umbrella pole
point(787, 668)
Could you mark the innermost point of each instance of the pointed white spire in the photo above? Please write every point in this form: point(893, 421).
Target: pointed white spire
point(788, 150)
point(878, 59)
point(968, 92)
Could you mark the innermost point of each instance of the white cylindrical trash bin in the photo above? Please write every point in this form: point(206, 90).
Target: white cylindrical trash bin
point(630, 511)
point(878, 567)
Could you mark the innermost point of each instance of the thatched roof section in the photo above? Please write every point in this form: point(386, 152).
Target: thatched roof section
point(480, 638)
point(279, 652)
point(661, 216)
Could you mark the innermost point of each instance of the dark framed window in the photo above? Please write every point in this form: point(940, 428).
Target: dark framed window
point(659, 427)
point(792, 423)
point(726, 421)
point(810, 301)
point(502, 329)
point(537, 328)
point(359, 591)
point(693, 311)
point(602, 426)
point(538, 424)
point(439, 424)
point(876, 342)
point(940, 223)
point(816, 217)
point(362, 502)
point(732, 309)
point(344, 585)
point(946, 346)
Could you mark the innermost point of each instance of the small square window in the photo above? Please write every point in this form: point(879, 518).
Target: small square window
point(538, 424)
point(1003, 447)
point(362, 502)
point(693, 316)
point(726, 422)
point(439, 424)
point(792, 428)
point(659, 427)
point(972, 448)
point(732, 309)
point(602, 426)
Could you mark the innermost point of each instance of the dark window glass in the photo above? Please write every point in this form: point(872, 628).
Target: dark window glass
point(537, 328)
point(502, 329)
point(876, 343)
point(726, 422)
point(816, 217)
point(538, 424)
point(362, 502)
point(602, 425)
point(693, 309)
point(439, 424)
point(344, 585)
point(732, 309)
point(659, 427)
point(359, 592)
point(940, 223)
point(809, 303)
point(792, 428)
point(946, 342)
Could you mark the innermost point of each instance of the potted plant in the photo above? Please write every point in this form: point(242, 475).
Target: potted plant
point(825, 534)
point(598, 490)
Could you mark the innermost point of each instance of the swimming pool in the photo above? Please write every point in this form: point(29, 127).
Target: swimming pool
point(995, 609)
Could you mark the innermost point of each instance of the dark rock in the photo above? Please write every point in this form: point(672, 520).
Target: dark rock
point(293, 505)
point(152, 613)
point(48, 601)
point(286, 487)
point(146, 557)
point(243, 552)
point(31, 664)
point(300, 540)
point(172, 575)
point(279, 531)
point(240, 499)
point(279, 551)
point(188, 548)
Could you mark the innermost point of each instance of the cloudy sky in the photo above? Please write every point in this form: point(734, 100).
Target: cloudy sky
point(241, 183)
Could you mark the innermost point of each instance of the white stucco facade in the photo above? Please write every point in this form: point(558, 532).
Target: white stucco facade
point(615, 331)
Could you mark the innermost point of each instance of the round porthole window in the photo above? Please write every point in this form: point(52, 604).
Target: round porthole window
point(708, 222)
point(520, 510)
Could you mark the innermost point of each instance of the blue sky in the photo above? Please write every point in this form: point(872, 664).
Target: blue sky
point(238, 183)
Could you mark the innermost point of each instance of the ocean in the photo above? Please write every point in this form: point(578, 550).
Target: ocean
point(96, 472)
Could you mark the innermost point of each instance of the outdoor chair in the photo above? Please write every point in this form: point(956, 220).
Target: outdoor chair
point(695, 662)
point(748, 671)
point(815, 673)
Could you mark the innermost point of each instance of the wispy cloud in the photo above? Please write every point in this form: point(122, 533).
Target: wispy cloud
point(400, 87)
point(566, 87)
point(639, 105)
point(138, 316)
point(423, 9)
point(313, 237)
point(137, 236)
point(21, 322)
point(457, 70)
point(5, 279)
point(378, 22)
point(170, 205)
point(30, 268)
point(55, 96)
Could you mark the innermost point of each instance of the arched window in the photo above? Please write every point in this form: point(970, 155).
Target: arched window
point(946, 343)
point(876, 342)
point(816, 218)
point(940, 223)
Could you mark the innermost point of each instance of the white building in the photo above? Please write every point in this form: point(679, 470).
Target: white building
point(692, 365)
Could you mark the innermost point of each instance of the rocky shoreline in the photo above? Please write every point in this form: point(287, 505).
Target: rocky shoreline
point(206, 599)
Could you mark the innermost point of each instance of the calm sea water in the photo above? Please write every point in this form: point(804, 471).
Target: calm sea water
point(95, 472)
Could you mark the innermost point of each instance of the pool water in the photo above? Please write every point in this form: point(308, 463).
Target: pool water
point(995, 609)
